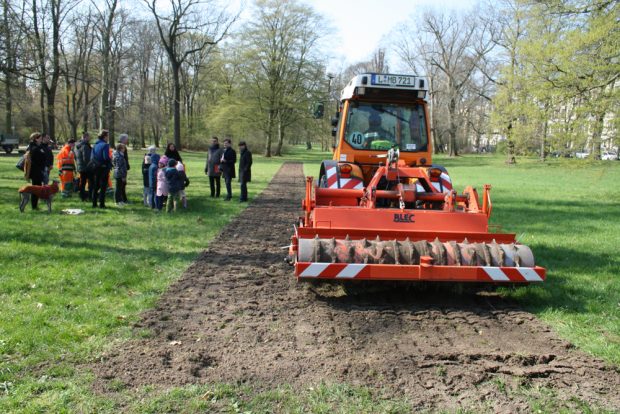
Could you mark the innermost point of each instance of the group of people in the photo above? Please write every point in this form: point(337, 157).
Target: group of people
point(221, 163)
point(164, 177)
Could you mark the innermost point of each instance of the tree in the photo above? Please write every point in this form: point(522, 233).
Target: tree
point(187, 17)
point(11, 39)
point(47, 19)
point(106, 16)
point(558, 86)
point(76, 70)
point(281, 66)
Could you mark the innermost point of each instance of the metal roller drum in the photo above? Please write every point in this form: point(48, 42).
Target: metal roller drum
point(408, 252)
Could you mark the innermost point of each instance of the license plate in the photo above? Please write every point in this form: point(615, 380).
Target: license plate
point(393, 80)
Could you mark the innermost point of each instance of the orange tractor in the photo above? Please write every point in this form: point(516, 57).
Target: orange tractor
point(381, 210)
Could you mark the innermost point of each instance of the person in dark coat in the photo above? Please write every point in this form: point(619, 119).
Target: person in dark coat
point(153, 179)
point(227, 166)
point(245, 170)
point(120, 174)
point(101, 156)
point(83, 151)
point(49, 157)
point(212, 169)
point(171, 152)
point(38, 163)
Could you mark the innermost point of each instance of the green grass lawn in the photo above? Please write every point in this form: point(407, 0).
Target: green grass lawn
point(568, 212)
point(70, 286)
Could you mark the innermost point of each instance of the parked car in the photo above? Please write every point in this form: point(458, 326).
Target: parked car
point(609, 156)
point(561, 154)
point(582, 155)
point(9, 142)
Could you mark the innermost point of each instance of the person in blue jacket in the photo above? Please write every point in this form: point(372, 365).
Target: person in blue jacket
point(153, 178)
point(102, 164)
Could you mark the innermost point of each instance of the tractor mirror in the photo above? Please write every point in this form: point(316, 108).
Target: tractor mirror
point(334, 132)
point(334, 121)
point(319, 109)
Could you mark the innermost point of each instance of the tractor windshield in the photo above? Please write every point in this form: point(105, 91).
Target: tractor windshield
point(377, 127)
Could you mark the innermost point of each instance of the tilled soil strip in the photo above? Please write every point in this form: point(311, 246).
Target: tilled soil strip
point(238, 315)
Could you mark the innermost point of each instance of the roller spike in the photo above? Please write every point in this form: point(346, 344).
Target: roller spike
point(396, 251)
point(316, 249)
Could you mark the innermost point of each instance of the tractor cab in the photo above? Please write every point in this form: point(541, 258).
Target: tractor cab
point(379, 112)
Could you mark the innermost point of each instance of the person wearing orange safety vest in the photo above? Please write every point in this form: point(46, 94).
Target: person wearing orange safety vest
point(110, 189)
point(66, 168)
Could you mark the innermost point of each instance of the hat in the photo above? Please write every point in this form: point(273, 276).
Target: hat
point(241, 143)
point(71, 141)
point(172, 162)
point(180, 166)
point(163, 160)
point(152, 149)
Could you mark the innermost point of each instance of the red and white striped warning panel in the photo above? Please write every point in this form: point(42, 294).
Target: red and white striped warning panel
point(444, 184)
point(417, 272)
point(346, 183)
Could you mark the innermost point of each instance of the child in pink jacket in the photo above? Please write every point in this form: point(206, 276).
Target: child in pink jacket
point(162, 187)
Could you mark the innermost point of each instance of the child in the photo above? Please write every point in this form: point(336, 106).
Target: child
point(174, 181)
point(162, 187)
point(181, 169)
point(153, 180)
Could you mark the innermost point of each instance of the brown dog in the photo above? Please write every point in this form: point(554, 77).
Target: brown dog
point(44, 192)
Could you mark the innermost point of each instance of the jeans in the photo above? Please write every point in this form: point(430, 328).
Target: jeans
point(153, 198)
point(214, 183)
point(101, 185)
point(86, 177)
point(159, 202)
point(228, 181)
point(119, 191)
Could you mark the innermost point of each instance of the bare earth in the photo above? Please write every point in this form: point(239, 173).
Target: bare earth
point(238, 315)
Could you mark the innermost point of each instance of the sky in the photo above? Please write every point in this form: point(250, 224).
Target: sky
point(360, 25)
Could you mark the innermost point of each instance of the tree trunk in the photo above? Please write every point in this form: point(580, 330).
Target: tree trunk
point(453, 128)
point(543, 142)
point(8, 75)
point(278, 152)
point(269, 134)
point(51, 110)
point(42, 107)
point(597, 134)
point(86, 109)
point(70, 108)
point(176, 103)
